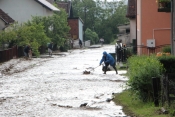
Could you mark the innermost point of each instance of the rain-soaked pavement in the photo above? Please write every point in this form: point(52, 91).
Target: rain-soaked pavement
point(56, 87)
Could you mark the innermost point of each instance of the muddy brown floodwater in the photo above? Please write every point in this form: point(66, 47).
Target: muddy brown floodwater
point(57, 87)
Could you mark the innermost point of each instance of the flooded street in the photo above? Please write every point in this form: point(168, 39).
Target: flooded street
point(57, 87)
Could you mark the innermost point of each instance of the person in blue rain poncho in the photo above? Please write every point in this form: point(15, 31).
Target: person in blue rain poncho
point(108, 60)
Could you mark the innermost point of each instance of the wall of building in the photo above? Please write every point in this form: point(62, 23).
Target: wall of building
point(132, 30)
point(154, 25)
point(23, 10)
point(2, 24)
point(80, 30)
point(139, 41)
point(74, 31)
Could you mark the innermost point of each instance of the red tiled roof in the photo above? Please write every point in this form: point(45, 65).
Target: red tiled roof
point(131, 10)
point(7, 19)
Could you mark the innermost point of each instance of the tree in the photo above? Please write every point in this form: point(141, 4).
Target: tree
point(22, 35)
point(33, 35)
point(101, 17)
point(90, 35)
point(7, 37)
point(55, 26)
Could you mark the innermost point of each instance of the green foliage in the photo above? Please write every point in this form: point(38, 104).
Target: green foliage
point(137, 108)
point(168, 63)
point(7, 36)
point(129, 52)
point(90, 35)
point(26, 34)
point(66, 46)
point(55, 26)
point(39, 31)
point(113, 42)
point(141, 70)
point(32, 34)
point(166, 49)
point(164, 0)
point(99, 19)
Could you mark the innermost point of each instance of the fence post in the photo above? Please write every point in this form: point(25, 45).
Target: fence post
point(156, 88)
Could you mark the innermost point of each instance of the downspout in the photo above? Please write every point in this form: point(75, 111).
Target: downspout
point(172, 29)
point(136, 24)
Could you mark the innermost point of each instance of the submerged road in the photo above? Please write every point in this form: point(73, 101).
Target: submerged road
point(57, 87)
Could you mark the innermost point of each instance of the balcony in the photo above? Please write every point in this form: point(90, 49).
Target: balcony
point(164, 5)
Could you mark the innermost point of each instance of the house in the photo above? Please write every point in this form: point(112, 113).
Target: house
point(67, 6)
point(153, 28)
point(51, 1)
point(75, 23)
point(76, 30)
point(124, 34)
point(131, 14)
point(5, 20)
point(23, 10)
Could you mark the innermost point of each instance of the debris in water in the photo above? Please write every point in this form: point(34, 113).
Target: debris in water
point(86, 72)
point(108, 99)
point(82, 105)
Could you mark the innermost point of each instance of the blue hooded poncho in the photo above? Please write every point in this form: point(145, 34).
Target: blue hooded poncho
point(107, 58)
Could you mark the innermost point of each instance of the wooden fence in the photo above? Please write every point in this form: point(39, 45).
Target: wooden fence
point(16, 52)
point(10, 53)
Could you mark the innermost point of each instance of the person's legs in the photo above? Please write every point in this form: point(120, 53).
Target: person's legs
point(25, 55)
point(30, 54)
point(114, 66)
point(106, 66)
point(49, 51)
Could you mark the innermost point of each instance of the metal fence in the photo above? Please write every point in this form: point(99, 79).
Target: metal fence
point(168, 88)
point(144, 50)
point(164, 89)
point(123, 53)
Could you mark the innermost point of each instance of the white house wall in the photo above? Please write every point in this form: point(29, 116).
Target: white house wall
point(132, 29)
point(2, 24)
point(139, 41)
point(80, 30)
point(23, 10)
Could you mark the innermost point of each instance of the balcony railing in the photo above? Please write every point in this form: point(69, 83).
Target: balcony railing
point(164, 5)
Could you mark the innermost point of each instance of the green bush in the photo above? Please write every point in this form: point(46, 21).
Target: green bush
point(141, 70)
point(64, 48)
point(166, 49)
point(168, 63)
point(129, 52)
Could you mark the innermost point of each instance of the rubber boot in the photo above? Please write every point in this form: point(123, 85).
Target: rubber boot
point(115, 69)
point(116, 72)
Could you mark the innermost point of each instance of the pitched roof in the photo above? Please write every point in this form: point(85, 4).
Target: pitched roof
point(51, 1)
point(131, 9)
point(47, 5)
point(7, 19)
point(67, 6)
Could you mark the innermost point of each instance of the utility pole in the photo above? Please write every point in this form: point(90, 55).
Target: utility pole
point(84, 23)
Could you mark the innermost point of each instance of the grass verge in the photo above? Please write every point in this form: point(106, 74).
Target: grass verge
point(136, 108)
